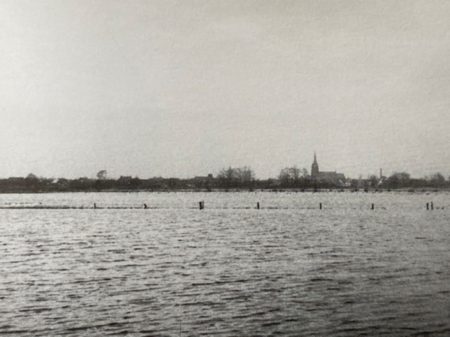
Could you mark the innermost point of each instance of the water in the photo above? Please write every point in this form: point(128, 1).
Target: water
point(288, 269)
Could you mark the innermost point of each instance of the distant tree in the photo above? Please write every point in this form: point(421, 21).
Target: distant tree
point(398, 179)
point(284, 176)
point(62, 184)
point(124, 181)
point(226, 174)
point(236, 177)
point(172, 183)
point(373, 181)
point(437, 180)
point(288, 176)
point(245, 174)
point(291, 176)
point(304, 172)
point(102, 175)
point(32, 183)
point(354, 183)
point(32, 176)
point(81, 184)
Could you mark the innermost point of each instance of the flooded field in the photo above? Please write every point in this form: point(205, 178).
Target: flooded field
point(288, 269)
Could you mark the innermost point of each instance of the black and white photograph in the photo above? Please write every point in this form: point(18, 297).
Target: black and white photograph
point(229, 168)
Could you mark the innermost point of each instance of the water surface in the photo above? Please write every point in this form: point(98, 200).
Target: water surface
point(288, 269)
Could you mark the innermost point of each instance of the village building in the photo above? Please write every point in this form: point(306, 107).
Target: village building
point(326, 176)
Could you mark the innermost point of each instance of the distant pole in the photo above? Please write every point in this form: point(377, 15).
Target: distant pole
point(432, 206)
point(95, 205)
point(257, 205)
point(320, 205)
point(201, 205)
point(428, 206)
point(373, 206)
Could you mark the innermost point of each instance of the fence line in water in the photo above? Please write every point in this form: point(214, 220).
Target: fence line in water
point(429, 206)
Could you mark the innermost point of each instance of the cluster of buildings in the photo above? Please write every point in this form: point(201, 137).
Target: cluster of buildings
point(323, 178)
point(332, 177)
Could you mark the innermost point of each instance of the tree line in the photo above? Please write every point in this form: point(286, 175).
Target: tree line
point(227, 179)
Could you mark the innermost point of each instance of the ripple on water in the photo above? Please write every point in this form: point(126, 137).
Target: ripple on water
point(288, 271)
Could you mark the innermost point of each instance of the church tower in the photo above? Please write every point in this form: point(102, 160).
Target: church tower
point(315, 167)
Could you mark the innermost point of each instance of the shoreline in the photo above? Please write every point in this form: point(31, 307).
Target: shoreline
point(245, 190)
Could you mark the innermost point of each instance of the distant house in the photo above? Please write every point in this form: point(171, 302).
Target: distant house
point(203, 181)
point(326, 176)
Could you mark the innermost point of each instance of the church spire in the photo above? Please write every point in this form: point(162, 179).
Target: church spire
point(315, 167)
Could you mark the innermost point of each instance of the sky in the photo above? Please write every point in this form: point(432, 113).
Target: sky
point(185, 88)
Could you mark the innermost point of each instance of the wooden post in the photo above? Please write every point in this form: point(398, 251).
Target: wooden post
point(95, 205)
point(320, 205)
point(373, 206)
point(432, 206)
point(201, 205)
point(428, 206)
point(257, 205)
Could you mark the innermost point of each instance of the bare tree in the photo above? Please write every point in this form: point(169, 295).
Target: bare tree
point(235, 177)
point(437, 180)
point(291, 175)
point(102, 175)
point(373, 180)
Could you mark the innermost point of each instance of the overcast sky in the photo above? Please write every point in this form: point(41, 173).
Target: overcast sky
point(183, 88)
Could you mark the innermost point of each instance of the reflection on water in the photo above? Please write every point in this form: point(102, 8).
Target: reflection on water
point(176, 271)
